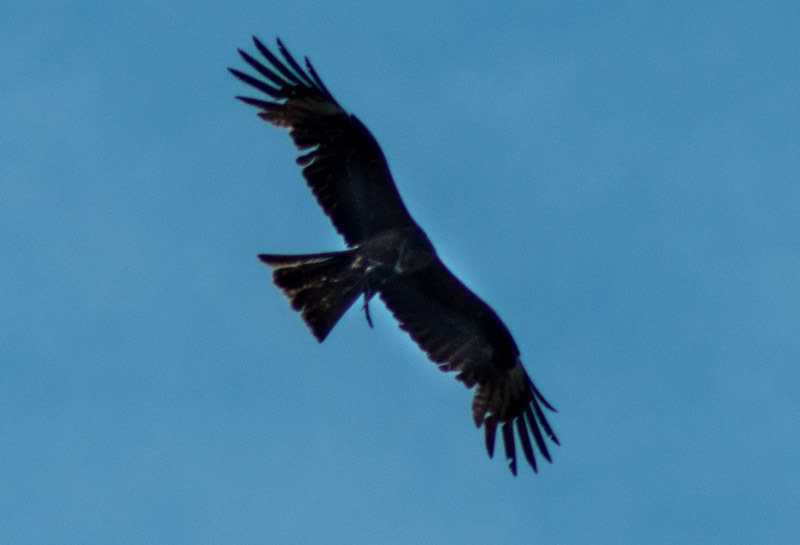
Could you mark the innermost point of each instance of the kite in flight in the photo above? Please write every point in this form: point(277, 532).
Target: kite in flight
point(388, 255)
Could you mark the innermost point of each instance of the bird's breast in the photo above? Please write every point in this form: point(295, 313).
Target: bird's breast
point(401, 251)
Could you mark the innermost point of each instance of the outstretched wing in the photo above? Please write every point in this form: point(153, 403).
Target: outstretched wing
point(344, 165)
point(461, 333)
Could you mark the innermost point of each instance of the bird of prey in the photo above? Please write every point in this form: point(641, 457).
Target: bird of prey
point(388, 255)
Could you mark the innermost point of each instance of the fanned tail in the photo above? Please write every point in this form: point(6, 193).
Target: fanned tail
point(320, 286)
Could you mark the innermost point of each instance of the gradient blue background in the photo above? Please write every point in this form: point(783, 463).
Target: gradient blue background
point(619, 181)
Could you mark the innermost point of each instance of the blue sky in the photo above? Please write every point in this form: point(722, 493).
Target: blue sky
point(620, 182)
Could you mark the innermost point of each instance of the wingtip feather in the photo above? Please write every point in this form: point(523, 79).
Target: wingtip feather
point(491, 432)
point(508, 443)
point(525, 441)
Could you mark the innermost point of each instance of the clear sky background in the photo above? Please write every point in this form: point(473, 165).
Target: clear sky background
point(619, 180)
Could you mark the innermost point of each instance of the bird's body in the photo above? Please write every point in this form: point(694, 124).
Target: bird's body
point(389, 255)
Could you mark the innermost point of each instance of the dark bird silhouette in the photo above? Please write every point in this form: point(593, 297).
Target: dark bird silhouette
point(388, 254)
